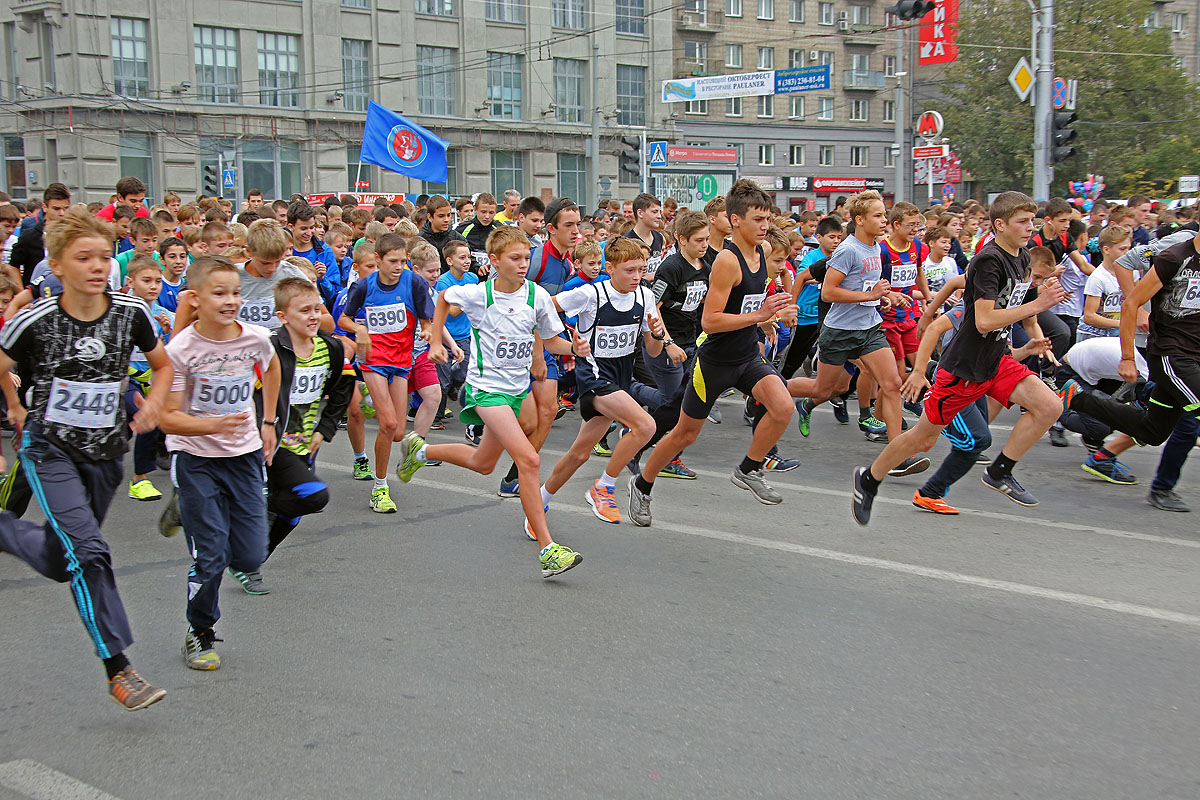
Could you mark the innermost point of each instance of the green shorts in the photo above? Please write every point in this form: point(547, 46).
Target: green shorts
point(473, 397)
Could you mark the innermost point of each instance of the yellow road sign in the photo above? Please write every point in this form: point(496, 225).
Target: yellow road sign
point(1021, 79)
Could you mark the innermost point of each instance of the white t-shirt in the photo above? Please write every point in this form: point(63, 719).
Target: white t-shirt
point(1098, 359)
point(582, 302)
point(938, 272)
point(503, 332)
point(1103, 284)
point(1073, 280)
point(8, 246)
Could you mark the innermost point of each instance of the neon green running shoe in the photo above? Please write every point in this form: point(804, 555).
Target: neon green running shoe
point(144, 490)
point(362, 470)
point(412, 461)
point(557, 559)
point(381, 501)
point(601, 449)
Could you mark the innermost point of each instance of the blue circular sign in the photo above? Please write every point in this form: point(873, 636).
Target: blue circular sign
point(1059, 97)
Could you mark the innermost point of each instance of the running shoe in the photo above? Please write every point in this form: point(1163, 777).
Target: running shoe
point(433, 463)
point(603, 503)
point(529, 530)
point(714, 415)
point(916, 409)
point(777, 463)
point(756, 483)
point(473, 435)
point(983, 460)
point(635, 465)
point(861, 498)
point(639, 505)
point(1058, 438)
point(937, 505)
point(198, 652)
point(558, 559)
point(1068, 391)
point(1009, 486)
point(144, 490)
point(437, 425)
point(872, 425)
point(676, 469)
point(879, 437)
point(1167, 500)
point(601, 449)
point(909, 466)
point(362, 470)
point(412, 445)
point(804, 416)
point(381, 501)
point(252, 582)
point(131, 692)
point(169, 523)
point(1111, 469)
point(839, 410)
point(509, 488)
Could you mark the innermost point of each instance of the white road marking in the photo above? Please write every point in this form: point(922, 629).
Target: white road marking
point(39, 782)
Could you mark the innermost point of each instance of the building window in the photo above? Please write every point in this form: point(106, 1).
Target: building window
point(889, 110)
point(1154, 19)
point(12, 79)
point(568, 14)
point(695, 54)
point(137, 159)
point(860, 15)
point(889, 66)
point(824, 13)
point(1178, 23)
point(356, 74)
point(795, 10)
point(859, 110)
point(216, 65)
point(631, 95)
point(14, 166)
point(699, 8)
point(278, 70)
point(825, 155)
point(508, 171)
point(438, 8)
point(695, 107)
point(825, 109)
point(825, 57)
point(733, 56)
point(733, 107)
point(450, 187)
point(504, 85)
point(356, 3)
point(859, 156)
point(436, 71)
point(358, 172)
point(766, 9)
point(733, 8)
point(766, 106)
point(889, 157)
point(568, 90)
point(631, 17)
point(766, 58)
point(274, 168)
point(572, 176)
point(796, 106)
point(504, 11)
point(795, 58)
point(766, 155)
point(131, 66)
point(796, 155)
point(48, 57)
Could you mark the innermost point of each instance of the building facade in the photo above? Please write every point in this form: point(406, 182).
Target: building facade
point(277, 91)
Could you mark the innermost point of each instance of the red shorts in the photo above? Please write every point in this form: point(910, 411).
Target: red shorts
point(902, 338)
point(424, 373)
point(951, 395)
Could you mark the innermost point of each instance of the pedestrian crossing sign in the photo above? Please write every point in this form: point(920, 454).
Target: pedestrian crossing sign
point(658, 154)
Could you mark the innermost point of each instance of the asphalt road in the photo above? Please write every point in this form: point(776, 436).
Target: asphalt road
point(732, 650)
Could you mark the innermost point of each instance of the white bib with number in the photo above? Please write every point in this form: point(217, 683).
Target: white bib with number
point(1018, 294)
point(387, 319)
point(513, 350)
point(753, 302)
point(260, 313)
point(481, 258)
point(222, 394)
point(696, 292)
point(83, 405)
point(652, 265)
point(868, 286)
point(1112, 303)
point(904, 276)
point(615, 341)
point(308, 385)
point(1191, 297)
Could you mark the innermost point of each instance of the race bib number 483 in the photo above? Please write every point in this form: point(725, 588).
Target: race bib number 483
point(387, 319)
point(83, 405)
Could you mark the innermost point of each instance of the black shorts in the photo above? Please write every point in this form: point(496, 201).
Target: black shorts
point(709, 381)
point(587, 410)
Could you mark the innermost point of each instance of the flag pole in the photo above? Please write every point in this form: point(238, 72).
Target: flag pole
point(358, 174)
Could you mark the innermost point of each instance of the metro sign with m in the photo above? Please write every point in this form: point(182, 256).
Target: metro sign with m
point(937, 39)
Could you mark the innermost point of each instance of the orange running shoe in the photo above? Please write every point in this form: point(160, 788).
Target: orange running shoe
point(935, 504)
point(602, 499)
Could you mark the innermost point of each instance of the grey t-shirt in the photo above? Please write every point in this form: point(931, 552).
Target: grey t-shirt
point(861, 265)
point(258, 295)
point(1138, 259)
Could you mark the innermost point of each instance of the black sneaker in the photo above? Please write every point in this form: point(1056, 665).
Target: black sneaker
point(1058, 437)
point(1167, 500)
point(909, 466)
point(839, 410)
point(1008, 485)
point(472, 435)
point(983, 460)
point(860, 498)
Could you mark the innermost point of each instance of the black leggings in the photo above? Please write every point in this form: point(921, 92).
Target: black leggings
point(293, 490)
point(1176, 392)
point(803, 339)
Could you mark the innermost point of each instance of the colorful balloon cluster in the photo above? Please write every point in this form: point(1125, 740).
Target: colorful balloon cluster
point(1086, 191)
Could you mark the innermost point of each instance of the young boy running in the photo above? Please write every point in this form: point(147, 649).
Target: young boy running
point(364, 264)
point(735, 304)
point(218, 449)
point(72, 355)
point(425, 383)
point(505, 312)
point(143, 280)
point(453, 374)
point(976, 362)
point(392, 299)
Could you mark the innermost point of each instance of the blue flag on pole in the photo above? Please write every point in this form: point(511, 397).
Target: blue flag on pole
point(401, 145)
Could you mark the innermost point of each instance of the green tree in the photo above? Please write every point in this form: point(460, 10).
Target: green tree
point(1130, 88)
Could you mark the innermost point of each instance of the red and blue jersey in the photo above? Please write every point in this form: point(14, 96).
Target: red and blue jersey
point(900, 270)
point(549, 268)
point(391, 313)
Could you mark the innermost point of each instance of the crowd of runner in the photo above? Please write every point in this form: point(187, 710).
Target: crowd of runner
point(226, 345)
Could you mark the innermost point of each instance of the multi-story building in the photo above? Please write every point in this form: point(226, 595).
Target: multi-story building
point(278, 90)
point(1182, 18)
point(842, 136)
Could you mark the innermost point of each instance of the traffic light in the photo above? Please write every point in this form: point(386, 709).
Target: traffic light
point(1061, 136)
point(630, 158)
point(911, 9)
point(211, 181)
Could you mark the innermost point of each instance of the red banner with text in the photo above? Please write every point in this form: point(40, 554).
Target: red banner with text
point(937, 40)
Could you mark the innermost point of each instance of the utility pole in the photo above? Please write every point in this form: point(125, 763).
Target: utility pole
point(595, 148)
point(1043, 172)
point(900, 191)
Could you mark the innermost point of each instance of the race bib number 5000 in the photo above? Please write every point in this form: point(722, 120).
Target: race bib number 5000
point(218, 394)
point(83, 405)
point(387, 319)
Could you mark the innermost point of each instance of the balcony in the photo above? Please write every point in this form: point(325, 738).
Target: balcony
point(864, 80)
point(28, 12)
point(688, 68)
point(864, 36)
point(695, 22)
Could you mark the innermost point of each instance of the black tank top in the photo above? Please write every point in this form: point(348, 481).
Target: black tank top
point(615, 337)
point(737, 346)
